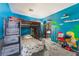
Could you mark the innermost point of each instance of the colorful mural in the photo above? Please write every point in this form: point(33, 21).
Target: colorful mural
point(65, 27)
point(60, 26)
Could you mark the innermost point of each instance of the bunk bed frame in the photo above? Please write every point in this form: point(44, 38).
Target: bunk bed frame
point(33, 25)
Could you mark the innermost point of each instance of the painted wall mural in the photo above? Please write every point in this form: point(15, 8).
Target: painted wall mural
point(67, 26)
point(57, 20)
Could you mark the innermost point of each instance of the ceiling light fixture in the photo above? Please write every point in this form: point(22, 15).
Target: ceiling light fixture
point(31, 9)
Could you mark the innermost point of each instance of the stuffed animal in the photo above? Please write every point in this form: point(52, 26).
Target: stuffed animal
point(60, 36)
point(68, 48)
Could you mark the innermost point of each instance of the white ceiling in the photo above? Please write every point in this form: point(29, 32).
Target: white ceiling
point(40, 10)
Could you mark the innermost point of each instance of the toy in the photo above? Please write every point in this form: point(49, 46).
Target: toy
point(60, 37)
point(67, 42)
point(64, 44)
point(68, 48)
point(73, 39)
point(67, 38)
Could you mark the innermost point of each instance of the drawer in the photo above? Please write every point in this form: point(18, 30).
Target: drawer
point(9, 50)
point(12, 25)
point(11, 31)
point(11, 39)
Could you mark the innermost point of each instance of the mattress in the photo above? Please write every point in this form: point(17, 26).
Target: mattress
point(30, 45)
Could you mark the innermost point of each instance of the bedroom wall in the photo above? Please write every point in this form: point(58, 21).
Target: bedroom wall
point(58, 24)
point(4, 13)
point(25, 30)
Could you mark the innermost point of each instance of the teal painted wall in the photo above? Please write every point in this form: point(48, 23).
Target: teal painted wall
point(25, 30)
point(4, 13)
point(73, 12)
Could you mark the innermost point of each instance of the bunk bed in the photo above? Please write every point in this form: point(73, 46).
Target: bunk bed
point(31, 43)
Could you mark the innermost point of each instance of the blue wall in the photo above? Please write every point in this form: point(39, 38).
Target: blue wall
point(73, 12)
point(4, 13)
point(4, 10)
point(25, 30)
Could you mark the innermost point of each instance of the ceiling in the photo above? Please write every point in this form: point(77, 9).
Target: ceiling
point(38, 10)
